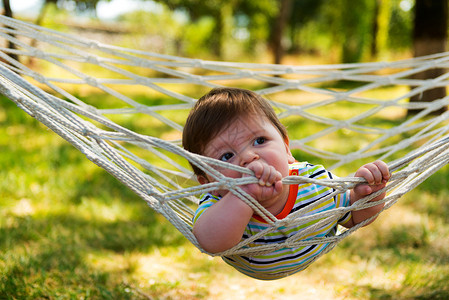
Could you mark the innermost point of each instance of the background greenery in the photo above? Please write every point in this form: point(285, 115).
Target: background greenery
point(337, 31)
point(68, 230)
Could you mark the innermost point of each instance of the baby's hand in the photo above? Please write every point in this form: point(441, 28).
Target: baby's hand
point(376, 174)
point(269, 185)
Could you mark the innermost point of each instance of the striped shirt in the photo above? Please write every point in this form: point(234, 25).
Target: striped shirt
point(286, 261)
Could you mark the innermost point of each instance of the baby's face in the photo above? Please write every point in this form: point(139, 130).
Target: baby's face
point(250, 138)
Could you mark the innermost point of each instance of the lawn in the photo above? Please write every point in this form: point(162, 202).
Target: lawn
point(69, 230)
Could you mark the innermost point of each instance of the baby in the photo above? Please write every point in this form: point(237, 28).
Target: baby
point(239, 127)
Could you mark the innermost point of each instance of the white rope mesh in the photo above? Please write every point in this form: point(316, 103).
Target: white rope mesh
point(148, 158)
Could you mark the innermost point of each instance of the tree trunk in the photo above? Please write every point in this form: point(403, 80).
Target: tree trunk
point(217, 37)
point(223, 30)
point(8, 12)
point(278, 30)
point(381, 20)
point(356, 28)
point(375, 28)
point(429, 36)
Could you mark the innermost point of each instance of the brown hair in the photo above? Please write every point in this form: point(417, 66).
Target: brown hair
point(218, 109)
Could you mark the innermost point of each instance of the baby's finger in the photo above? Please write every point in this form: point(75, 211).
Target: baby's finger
point(371, 173)
point(267, 177)
point(362, 190)
point(273, 176)
point(366, 173)
point(260, 171)
point(257, 168)
point(383, 168)
point(375, 172)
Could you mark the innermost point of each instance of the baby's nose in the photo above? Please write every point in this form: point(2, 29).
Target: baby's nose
point(247, 156)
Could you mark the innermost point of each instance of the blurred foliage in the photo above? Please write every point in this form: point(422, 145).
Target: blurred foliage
point(77, 5)
point(355, 28)
point(340, 30)
point(357, 31)
point(401, 25)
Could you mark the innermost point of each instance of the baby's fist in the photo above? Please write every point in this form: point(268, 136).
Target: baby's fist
point(374, 173)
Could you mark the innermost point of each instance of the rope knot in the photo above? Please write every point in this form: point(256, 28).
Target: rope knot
point(387, 80)
point(335, 75)
point(39, 77)
point(93, 45)
point(197, 63)
point(228, 182)
point(339, 96)
point(91, 81)
point(289, 70)
point(246, 73)
point(38, 53)
point(344, 124)
point(143, 81)
point(92, 59)
point(196, 79)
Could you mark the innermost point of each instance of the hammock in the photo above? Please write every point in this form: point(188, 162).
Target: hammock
point(149, 160)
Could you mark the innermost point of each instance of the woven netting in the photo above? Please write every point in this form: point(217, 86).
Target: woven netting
point(125, 109)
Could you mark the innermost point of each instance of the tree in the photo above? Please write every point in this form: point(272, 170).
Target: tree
point(258, 18)
point(7, 8)
point(349, 26)
point(278, 21)
point(80, 6)
point(303, 12)
point(356, 23)
point(277, 46)
point(381, 20)
point(8, 12)
point(222, 11)
point(429, 36)
point(400, 27)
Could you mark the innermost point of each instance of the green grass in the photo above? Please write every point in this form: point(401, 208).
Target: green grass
point(69, 230)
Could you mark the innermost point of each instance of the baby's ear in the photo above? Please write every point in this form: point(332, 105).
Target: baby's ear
point(202, 179)
point(290, 157)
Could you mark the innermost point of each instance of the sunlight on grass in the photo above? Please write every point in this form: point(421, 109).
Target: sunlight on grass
point(23, 208)
point(109, 212)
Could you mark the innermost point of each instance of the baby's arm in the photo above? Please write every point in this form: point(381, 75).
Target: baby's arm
point(222, 225)
point(377, 175)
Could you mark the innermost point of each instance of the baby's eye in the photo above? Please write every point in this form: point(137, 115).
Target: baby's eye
point(259, 141)
point(227, 156)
